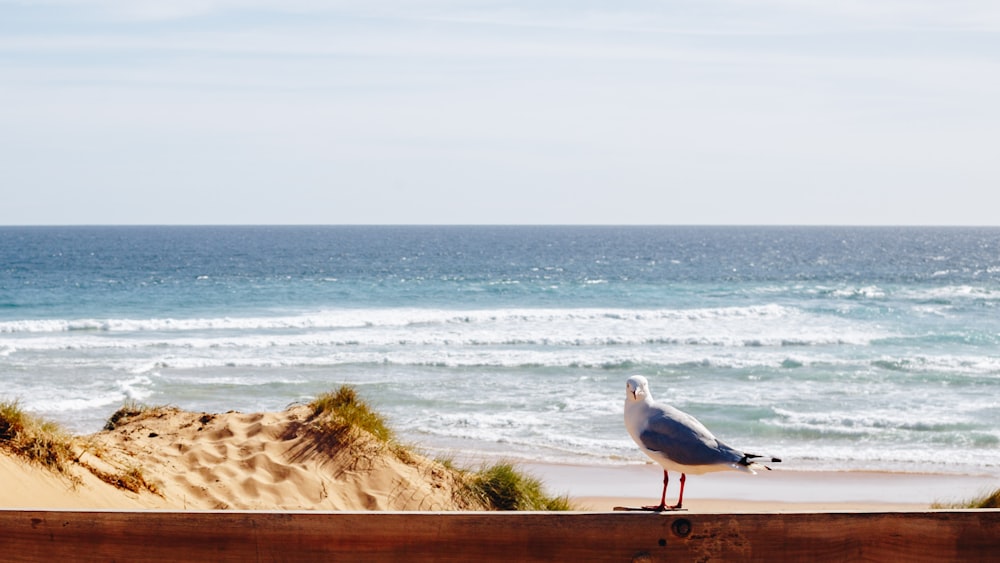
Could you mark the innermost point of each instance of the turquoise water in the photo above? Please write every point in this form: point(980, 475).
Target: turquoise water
point(860, 348)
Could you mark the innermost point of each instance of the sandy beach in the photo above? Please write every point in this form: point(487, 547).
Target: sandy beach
point(271, 461)
point(173, 459)
point(605, 487)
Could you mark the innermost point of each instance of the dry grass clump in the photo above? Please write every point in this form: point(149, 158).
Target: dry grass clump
point(991, 500)
point(125, 474)
point(131, 478)
point(986, 500)
point(34, 439)
point(47, 444)
point(503, 487)
point(343, 417)
point(342, 413)
point(130, 411)
point(344, 426)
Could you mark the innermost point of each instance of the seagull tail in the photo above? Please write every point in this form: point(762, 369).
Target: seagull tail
point(755, 460)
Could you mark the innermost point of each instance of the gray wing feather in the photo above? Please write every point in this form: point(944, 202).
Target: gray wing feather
point(684, 440)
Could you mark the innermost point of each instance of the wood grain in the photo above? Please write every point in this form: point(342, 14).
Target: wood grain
point(47, 535)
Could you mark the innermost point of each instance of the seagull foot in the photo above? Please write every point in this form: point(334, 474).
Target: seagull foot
point(649, 509)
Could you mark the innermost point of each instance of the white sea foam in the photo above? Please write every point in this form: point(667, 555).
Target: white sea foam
point(855, 292)
point(454, 357)
point(72, 404)
point(138, 388)
point(396, 317)
point(763, 326)
point(948, 293)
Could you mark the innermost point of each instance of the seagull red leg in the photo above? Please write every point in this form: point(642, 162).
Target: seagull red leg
point(680, 499)
point(663, 496)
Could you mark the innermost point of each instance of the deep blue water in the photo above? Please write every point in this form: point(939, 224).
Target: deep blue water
point(856, 347)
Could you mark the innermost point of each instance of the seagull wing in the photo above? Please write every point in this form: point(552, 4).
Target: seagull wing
point(681, 438)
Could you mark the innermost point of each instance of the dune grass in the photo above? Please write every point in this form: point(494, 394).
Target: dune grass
point(986, 500)
point(991, 500)
point(33, 438)
point(44, 442)
point(129, 409)
point(503, 487)
point(133, 479)
point(132, 411)
point(342, 411)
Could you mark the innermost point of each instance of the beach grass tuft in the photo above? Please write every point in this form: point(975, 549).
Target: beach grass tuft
point(129, 409)
point(503, 487)
point(991, 500)
point(985, 500)
point(34, 439)
point(132, 411)
point(131, 478)
point(342, 412)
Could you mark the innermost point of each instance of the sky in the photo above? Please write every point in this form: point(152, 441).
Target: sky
point(791, 112)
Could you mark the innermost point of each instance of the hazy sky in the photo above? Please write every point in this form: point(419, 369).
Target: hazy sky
point(438, 111)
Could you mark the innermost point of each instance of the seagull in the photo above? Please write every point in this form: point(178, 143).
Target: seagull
point(677, 441)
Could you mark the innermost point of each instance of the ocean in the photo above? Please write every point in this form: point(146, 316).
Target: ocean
point(831, 347)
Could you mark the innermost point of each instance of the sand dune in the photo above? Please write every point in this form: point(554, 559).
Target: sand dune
point(167, 458)
point(173, 459)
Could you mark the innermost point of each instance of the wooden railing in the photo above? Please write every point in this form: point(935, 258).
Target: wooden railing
point(54, 535)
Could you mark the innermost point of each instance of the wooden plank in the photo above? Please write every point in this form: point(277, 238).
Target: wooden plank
point(46, 535)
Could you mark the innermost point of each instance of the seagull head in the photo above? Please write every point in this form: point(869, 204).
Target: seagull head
point(636, 389)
